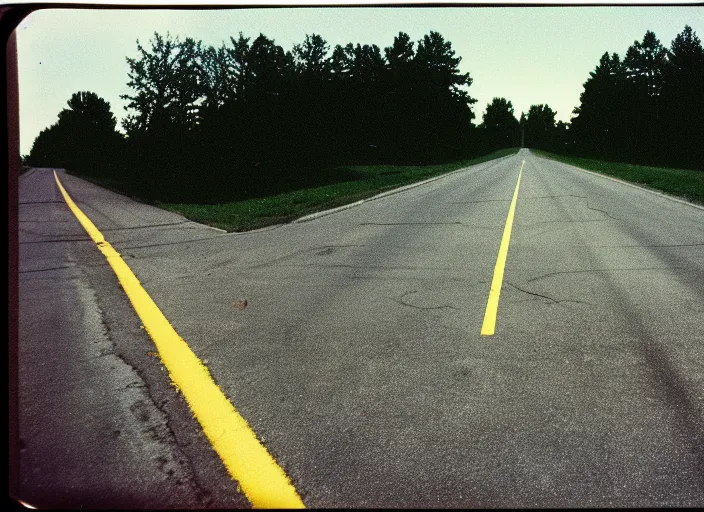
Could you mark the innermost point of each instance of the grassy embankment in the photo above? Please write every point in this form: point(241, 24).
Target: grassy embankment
point(278, 209)
point(685, 183)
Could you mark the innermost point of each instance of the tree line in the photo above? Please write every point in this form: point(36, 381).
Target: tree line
point(249, 118)
point(647, 107)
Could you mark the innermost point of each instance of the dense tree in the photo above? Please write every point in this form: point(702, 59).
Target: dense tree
point(600, 115)
point(89, 109)
point(436, 62)
point(442, 101)
point(311, 58)
point(401, 99)
point(540, 127)
point(247, 118)
point(48, 149)
point(359, 77)
point(166, 82)
point(499, 124)
point(215, 72)
point(265, 115)
point(239, 59)
point(647, 108)
point(268, 67)
point(683, 100)
point(400, 55)
point(686, 55)
point(644, 64)
point(83, 139)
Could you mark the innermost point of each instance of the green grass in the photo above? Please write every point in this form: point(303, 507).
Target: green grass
point(685, 183)
point(369, 180)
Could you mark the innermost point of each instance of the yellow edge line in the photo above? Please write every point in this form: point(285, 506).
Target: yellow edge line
point(261, 479)
point(492, 304)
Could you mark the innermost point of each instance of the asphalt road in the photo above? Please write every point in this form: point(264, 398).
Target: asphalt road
point(358, 360)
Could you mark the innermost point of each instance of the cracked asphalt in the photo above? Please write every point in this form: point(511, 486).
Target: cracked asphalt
point(358, 360)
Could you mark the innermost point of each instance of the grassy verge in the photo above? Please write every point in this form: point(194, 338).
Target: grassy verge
point(370, 180)
point(685, 183)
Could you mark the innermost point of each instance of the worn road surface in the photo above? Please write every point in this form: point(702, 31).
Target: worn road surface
point(358, 360)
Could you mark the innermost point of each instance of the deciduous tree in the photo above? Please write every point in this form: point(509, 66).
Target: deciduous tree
point(501, 128)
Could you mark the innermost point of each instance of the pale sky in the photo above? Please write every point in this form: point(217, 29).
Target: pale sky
point(528, 55)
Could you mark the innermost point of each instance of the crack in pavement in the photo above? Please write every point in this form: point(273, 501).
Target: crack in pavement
point(408, 223)
point(602, 211)
point(559, 195)
point(554, 301)
point(120, 244)
point(654, 245)
point(41, 202)
point(61, 268)
point(276, 260)
point(179, 467)
point(329, 249)
point(483, 201)
point(363, 267)
point(26, 231)
point(580, 197)
point(463, 224)
point(322, 251)
point(544, 276)
point(546, 197)
point(59, 240)
point(404, 303)
point(148, 226)
point(45, 222)
point(337, 246)
point(562, 221)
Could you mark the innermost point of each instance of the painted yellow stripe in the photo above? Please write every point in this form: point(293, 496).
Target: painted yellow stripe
point(492, 304)
point(261, 479)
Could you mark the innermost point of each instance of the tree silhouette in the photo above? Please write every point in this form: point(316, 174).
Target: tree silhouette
point(89, 109)
point(599, 118)
point(239, 57)
point(443, 102)
point(644, 64)
point(647, 108)
point(215, 74)
point(540, 127)
point(501, 128)
point(401, 100)
point(400, 55)
point(82, 140)
point(48, 149)
point(248, 118)
point(683, 100)
point(165, 79)
point(311, 58)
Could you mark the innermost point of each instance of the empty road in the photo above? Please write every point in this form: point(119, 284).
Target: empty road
point(358, 359)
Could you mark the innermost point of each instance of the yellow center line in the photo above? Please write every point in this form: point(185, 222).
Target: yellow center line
point(492, 304)
point(261, 479)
